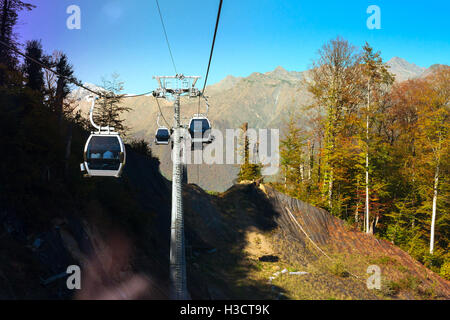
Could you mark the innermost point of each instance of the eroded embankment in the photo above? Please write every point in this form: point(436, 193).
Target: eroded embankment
point(254, 242)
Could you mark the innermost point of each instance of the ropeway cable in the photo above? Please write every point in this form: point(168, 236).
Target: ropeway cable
point(69, 79)
point(165, 34)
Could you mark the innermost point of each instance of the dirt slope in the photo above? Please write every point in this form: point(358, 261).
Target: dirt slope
point(249, 234)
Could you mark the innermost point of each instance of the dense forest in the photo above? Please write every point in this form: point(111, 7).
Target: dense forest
point(375, 152)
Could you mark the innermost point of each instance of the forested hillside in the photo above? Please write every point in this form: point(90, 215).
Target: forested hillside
point(377, 152)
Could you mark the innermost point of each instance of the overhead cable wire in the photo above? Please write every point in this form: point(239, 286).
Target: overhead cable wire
point(165, 34)
point(207, 71)
point(317, 247)
point(43, 65)
point(68, 79)
point(160, 112)
point(212, 47)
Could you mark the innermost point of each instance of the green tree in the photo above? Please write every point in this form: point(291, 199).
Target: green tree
point(334, 84)
point(33, 71)
point(65, 69)
point(109, 108)
point(293, 159)
point(9, 10)
point(249, 171)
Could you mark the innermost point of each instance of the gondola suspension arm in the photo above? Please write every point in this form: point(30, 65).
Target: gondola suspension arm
point(91, 117)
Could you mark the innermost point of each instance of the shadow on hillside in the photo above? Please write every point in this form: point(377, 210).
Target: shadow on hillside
point(216, 229)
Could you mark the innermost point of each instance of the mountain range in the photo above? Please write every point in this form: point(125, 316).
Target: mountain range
point(264, 100)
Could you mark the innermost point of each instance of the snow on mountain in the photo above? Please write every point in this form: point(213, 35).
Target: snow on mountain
point(82, 94)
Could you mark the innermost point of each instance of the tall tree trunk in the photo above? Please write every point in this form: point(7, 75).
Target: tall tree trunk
point(330, 190)
point(367, 158)
point(246, 143)
point(373, 224)
point(3, 50)
point(330, 145)
point(4, 20)
point(311, 161)
point(319, 165)
point(59, 101)
point(68, 149)
point(357, 203)
point(433, 216)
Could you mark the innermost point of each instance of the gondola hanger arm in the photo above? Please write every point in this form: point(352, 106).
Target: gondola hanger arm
point(91, 116)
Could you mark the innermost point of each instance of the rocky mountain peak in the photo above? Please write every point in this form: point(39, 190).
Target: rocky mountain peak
point(403, 69)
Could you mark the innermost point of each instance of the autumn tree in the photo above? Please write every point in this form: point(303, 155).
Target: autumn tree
point(433, 142)
point(334, 84)
point(377, 75)
point(416, 131)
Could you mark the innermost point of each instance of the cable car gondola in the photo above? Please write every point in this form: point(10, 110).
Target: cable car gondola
point(200, 130)
point(162, 136)
point(104, 152)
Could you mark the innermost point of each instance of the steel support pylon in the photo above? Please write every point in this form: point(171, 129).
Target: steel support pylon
point(178, 282)
point(177, 245)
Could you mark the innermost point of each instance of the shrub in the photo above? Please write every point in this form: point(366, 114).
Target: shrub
point(445, 270)
point(384, 260)
point(142, 147)
point(433, 261)
point(389, 288)
point(410, 282)
point(338, 269)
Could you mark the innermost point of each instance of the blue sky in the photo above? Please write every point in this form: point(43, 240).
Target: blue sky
point(255, 35)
